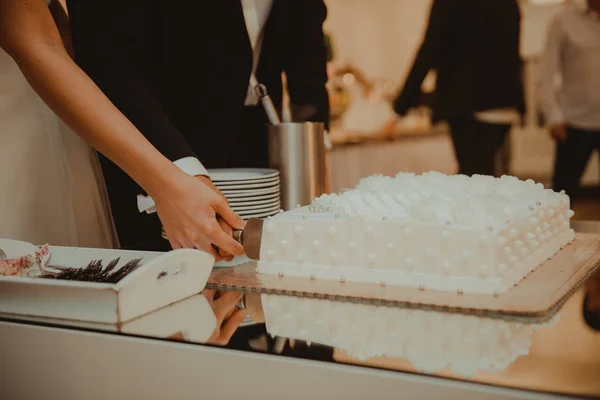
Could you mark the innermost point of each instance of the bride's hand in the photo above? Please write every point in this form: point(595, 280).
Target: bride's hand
point(227, 315)
point(188, 208)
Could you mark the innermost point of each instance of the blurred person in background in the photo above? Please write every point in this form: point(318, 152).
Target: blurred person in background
point(570, 91)
point(473, 46)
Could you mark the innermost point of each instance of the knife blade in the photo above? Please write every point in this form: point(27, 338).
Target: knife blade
point(250, 237)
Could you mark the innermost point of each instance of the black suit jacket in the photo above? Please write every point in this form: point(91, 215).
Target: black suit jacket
point(179, 70)
point(474, 47)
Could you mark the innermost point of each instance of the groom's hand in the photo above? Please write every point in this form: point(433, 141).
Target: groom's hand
point(189, 208)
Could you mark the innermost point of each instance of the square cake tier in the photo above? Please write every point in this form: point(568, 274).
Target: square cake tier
point(475, 234)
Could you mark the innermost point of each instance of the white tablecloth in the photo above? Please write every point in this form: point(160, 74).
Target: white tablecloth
point(349, 163)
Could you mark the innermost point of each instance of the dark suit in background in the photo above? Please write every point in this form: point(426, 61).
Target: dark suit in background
point(473, 46)
point(179, 70)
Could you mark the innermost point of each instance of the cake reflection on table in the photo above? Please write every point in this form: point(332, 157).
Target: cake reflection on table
point(430, 340)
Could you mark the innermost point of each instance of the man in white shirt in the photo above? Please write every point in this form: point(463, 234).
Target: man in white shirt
point(182, 71)
point(570, 91)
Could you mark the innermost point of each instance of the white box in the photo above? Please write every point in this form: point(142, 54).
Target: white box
point(163, 278)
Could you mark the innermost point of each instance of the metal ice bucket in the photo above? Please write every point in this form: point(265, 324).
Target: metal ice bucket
point(297, 150)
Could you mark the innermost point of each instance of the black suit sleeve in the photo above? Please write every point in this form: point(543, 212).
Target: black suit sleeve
point(306, 61)
point(437, 28)
point(113, 42)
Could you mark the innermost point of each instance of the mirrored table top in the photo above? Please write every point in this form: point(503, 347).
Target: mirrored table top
point(562, 356)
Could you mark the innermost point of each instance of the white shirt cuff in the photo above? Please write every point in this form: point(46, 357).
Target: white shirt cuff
point(189, 165)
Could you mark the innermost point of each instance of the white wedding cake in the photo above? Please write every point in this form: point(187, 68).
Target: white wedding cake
point(475, 234)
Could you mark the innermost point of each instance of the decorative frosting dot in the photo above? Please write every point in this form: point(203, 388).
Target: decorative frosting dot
point(285, 242)
point(518, 243)
point(352, 244)
point(316, 243)
point(372, 257)
point(465, 255)
point(268, 227)
point(270, 255)
point(445, 234)
point(551, 212)
point(546, 225)
point(502, 241)
point(333, 257)
point(503, 267)
point(298, 230)
point(535, 220)
point(542, 237)
point(428, 251)
point(483, 269)
point(508, 250)
point(300, 256)
point(332, 231)
point(406, 229)
point(549, 234)
point(534, 244)
point(571, 213)
point(541, 214)
point(565, 224)
point(409, 262)
point(389, 246)
point(524, 251)
point(447, 266)
point(312, 277)
point(561, 217)
point(530, 236)
point(538, 230)
point(514, 232)
point(370, 231)
point(513, 259)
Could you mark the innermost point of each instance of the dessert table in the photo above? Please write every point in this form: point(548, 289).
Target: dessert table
point(165, 354)
point(418, 153)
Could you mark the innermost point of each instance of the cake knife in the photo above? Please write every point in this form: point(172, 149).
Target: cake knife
point(250, 237)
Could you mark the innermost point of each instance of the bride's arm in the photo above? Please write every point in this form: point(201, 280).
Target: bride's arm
point(61, 19)
point(29, 35)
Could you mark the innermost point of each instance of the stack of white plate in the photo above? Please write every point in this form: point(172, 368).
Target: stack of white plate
point(251, 192)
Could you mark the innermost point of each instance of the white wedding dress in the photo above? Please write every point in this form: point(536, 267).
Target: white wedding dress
point(51, 189)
